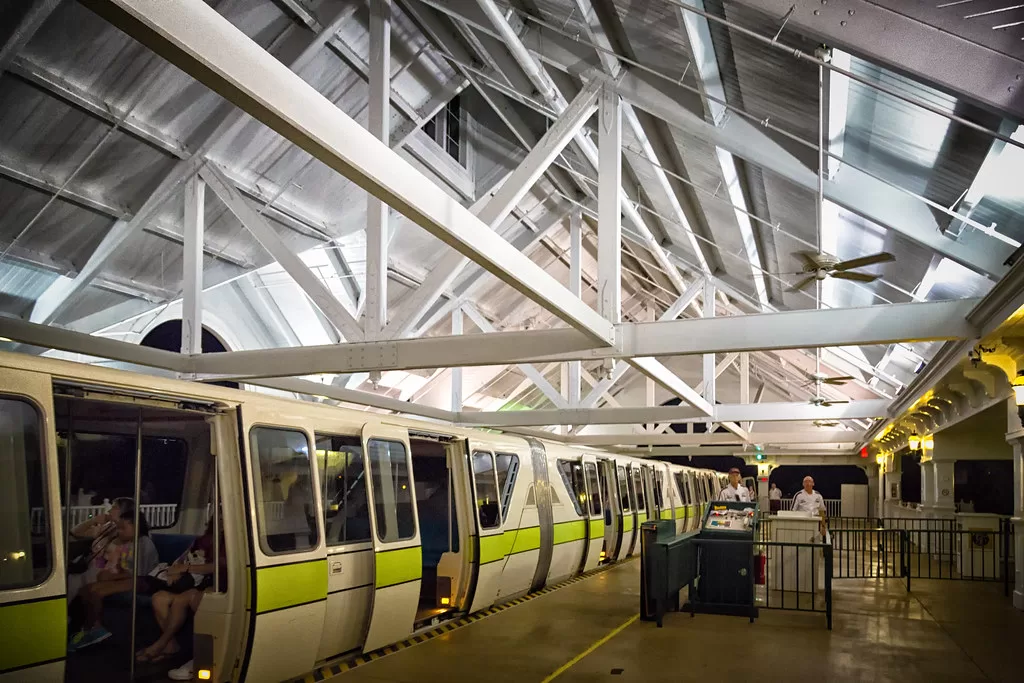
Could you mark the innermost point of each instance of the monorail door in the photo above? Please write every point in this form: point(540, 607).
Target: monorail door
point(33, 611)
point(613, 509)
point(594, 513)
point(288, 560)
point(398, 555)
point(492, 546)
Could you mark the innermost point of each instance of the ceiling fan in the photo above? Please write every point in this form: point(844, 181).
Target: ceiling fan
point(824, 402)
point(820, 266)
point(820, 378)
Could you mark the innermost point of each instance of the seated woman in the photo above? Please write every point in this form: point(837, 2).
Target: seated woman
point(101, 530)
point(179, 589)
point(115, 575)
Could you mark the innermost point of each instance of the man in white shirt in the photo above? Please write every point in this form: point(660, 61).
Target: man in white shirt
point(775, 498)
point(809, 500)
point(735, 491)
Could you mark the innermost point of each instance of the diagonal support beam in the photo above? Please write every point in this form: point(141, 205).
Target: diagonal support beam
point(192, 296)
point(497, 208)
point(312, 285)
point(657, 371)
point(673, 312)
point(16, 34)
point(532, 373)
point(186, 31)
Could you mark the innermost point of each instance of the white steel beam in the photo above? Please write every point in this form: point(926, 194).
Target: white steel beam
point(934, 320)
point(818, 436)
point(745, 377)
point(192, 296)
point(457, 371)
point(378, 124)
point(657, 371)
point(532, 373)
point(708, 361)
point(186, 33)
point(609, 198)
point(496, 208)
point(576, 287)
point(736, 412)
point(50, 337)
point(307, 280)
point(364, 398)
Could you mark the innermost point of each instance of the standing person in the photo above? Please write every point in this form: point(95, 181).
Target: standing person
point(809, 500)
point(735, 491)
point(775, 498)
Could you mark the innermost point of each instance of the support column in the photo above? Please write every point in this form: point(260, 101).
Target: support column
point(1016, 440)
point(709, 358)
point(456, 372)
point(928, 486)
point(942, 477)
point(609, 210)
point(377, 211)
point(192, 279)
point(576, 287)
point(873, 490)
point(745, 377)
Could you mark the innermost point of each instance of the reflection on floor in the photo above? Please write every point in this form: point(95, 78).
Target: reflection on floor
point(944, 630)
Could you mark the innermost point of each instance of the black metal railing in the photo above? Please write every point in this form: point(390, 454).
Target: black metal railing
point(794, 577)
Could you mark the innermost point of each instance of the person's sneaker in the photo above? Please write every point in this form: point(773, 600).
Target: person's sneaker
point(182, 673)
point(84, 639)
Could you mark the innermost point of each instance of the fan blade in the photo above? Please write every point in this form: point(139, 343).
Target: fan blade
point(832, 403)
point(803, 283)
point(809, 258)
point(859, 277)
point(881, 257)
point(837, 380)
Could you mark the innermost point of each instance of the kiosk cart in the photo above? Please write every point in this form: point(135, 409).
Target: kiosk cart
point(725, 560)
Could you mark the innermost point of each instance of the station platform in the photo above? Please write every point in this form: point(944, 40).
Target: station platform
point(589, 631)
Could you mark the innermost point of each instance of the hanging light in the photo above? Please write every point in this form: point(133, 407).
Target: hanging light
point(914, 441)
point(1018, 388)
point(928, 442)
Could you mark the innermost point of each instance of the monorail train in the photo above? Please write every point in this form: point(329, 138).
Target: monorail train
point(342, 530)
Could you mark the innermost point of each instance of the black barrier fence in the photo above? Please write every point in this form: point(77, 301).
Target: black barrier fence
point(921, 549)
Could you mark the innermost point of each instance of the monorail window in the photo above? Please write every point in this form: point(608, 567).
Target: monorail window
point(25, 558)
point(392, 490)
point(623, 488)
point(638, 487)
point(486, 485)
point(658, 500)
point(103, 470)
point(508, 471)
point(286, 512)
point(594, 486)
point(339, 460)
point(684, 490)
point(572, 476)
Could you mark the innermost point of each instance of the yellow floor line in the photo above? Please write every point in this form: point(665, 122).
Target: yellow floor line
point(572, 662)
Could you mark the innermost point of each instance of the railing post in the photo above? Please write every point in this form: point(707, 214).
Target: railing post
point(828, 585)
point(904, 554)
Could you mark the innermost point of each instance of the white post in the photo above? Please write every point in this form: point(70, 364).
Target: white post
point(709, 358)
point(609, 210)
point(1016, 440)
point(376, 210)
point(744, 377)
point(576, 287)
point(942, 478)
point(192, 297)
point(456, 374)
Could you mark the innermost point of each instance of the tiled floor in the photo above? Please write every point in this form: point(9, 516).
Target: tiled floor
point(944, 630)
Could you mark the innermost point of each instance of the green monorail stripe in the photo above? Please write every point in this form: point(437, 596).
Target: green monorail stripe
point(666, 514)
point(596, 528)
point(33, 632)
point(627, 523)
point(496, 547)
point(526, 539)
point(398, 566)
point(641, 517)
point(691, 511)
point(290, 584)
point(566, 532)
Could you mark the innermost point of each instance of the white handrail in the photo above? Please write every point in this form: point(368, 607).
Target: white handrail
point(158, 516)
